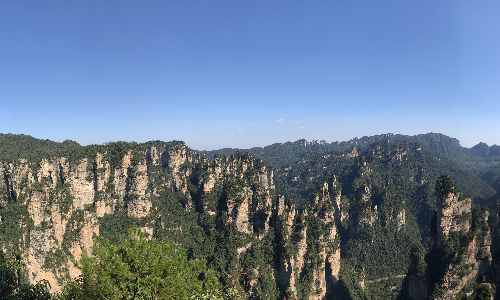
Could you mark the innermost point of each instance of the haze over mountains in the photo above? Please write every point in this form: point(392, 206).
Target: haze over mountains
point(381, 217)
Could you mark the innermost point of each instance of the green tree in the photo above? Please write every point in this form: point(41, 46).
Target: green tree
point(417, 257)
point(141, 269)
point(444, 186)
point(14, 287)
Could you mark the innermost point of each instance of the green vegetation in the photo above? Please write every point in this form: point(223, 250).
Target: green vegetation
point(14, 286)
point(385, 217)
point(141, 269)
point(444, 186)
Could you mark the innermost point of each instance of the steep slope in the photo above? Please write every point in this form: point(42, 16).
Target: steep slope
point(281, 155)
point(406, 162)
point(224, 211)
point(459, 262)
point(332, 225)
point(482, 160)
point(387, 199)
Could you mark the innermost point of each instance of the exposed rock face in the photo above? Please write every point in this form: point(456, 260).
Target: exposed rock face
point(458, 275)
point(472, 259)
point(298, 263)
point(293, 227)
point(330, 246)
point(247, 188)
point(81, 188)
point(449, 214)
point(242, 210)
point(459, 251)
point(285, 274)
point(66, 198)
point(354, 153)
point(335, 193)
point(174, 159)
point(401, 219)
point(64, 201)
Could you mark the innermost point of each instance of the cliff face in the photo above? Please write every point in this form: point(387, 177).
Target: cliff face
point(467, 249)
point(326, 210)
point(310, 238)
point(58, 205)
point(453, 215)
point(226, 210)
point(458, 264)
point(459, 255)
point(53, 208)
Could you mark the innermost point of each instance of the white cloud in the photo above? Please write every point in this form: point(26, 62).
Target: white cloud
point(240, 130)
point(348, 118)
point(277, 121)
point(252, 124)
point(297, 122)
point(302, 127)
point(276, 127)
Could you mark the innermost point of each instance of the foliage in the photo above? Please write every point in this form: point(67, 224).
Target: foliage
point(399, 173)
point(13, 286)
point(484, 292)
point(418, 259)
point(141, 269)
point(114, 226)
point(444, 186)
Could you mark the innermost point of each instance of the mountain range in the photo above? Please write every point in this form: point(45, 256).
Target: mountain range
point(382, 217)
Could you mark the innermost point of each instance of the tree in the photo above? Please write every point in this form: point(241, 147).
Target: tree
point(444, 186)
point(12, 285)
point(141, 269)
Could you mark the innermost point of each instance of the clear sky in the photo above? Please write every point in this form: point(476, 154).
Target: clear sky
point(249, 73)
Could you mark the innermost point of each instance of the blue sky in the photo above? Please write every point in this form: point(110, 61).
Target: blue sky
point(249, 73)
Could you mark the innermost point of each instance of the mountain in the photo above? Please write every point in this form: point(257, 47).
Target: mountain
point(14, 146)
point(459, 263)
point(225, 211)
point(281, 155)
point(479, 159)
point(362, 219)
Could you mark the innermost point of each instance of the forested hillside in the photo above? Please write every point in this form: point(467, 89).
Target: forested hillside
point(364, 219)
point(482, 160)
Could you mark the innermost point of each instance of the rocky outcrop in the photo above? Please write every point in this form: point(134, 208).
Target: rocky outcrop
point(329, 265)
point(64, 199)
point(247, 188)
point(294, 227)
point(472, 259)
point(459, 253)
point(81, 188)
point(470, 254)
point(225, 208)
point(453, 214)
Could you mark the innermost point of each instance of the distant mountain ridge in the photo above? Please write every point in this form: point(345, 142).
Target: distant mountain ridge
point(425, 164)
point(482, 160)
point(12, 144)
point(444, 145)
point(280, 154)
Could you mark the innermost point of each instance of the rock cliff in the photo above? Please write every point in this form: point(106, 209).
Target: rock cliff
point(460, 249)
point(52, 209)
point(345, 227)
point(467, 248)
